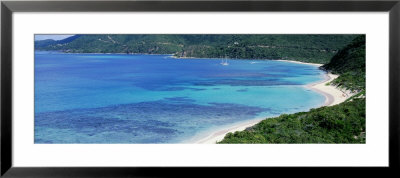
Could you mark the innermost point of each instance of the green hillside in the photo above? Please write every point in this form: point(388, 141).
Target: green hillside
point(343, 123)
point(306, 48)
point(350, 64)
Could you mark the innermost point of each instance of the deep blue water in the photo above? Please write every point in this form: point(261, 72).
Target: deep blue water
point(120, 98)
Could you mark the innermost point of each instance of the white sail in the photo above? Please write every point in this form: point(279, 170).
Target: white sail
point(226, 62)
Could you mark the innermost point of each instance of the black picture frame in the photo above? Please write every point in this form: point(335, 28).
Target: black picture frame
point(8, 7)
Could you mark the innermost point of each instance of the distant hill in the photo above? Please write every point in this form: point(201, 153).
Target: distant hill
point(44, 43)
point(349, 62)
point(41, 44)
point(306, 48)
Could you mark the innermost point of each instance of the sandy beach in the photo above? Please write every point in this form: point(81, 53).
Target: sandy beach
point(333, 96)
point(298, 62)
point(219, 135)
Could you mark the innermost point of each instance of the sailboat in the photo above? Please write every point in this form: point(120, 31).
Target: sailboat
point(226, 61)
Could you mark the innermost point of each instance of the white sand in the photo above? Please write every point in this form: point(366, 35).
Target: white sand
point(220, 134)
point(333, 96)
point(298, 62)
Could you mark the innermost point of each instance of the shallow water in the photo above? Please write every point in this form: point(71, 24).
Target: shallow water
point(120, 98)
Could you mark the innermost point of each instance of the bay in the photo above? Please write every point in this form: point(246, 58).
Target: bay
point(126, 98)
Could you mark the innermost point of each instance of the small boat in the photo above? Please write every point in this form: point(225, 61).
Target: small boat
point(224, 63)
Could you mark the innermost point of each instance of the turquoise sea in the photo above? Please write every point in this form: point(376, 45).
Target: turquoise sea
point(125, 98)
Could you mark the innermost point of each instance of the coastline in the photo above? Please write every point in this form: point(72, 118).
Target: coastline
point(292, 61)
point(63, 52)
point(216, 136)
point(333, 96)
point(298, 62)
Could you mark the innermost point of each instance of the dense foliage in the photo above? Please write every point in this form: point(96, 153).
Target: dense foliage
point(350, 64)
point(343, 123)
point(306, 48)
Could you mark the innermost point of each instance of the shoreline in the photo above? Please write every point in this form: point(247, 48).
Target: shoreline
point(332, 94)
point(282, 60)
point(62, 52)
point(299, 62)
point(176, 57)
point(216, 136)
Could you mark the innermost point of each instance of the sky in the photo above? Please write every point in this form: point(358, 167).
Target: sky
point(53, 37)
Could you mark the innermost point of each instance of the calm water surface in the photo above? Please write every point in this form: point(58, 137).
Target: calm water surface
point(120, 98)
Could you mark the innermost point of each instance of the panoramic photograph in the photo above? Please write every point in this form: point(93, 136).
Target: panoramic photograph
point(199, 89)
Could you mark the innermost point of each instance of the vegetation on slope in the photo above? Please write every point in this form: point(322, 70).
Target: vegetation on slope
point(350, 64)
point(306, 48)
point(343, 123)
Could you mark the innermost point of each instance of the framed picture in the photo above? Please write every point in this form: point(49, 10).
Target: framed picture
point(136, 88)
